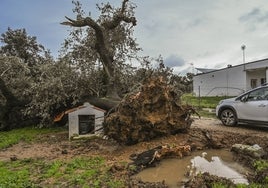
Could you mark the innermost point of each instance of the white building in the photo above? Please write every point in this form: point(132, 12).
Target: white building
point(232, 80)
point(85, 121)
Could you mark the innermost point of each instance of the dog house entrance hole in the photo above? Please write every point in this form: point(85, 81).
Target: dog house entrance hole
point(86, 124)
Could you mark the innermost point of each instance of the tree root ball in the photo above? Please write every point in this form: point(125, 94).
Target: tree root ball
point(153, 110)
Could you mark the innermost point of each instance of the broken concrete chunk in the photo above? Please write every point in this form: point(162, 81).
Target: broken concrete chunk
point(254, 151)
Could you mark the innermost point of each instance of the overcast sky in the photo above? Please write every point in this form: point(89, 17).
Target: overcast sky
point(205, 33)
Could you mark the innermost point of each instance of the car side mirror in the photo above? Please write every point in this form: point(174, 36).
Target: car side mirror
point(244, 98)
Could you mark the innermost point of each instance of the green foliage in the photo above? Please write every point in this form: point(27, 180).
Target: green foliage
point(218, 185)
point(78, 172)
point(55, 90)
point(260, 165)
point(28, 134)
point(18, 43)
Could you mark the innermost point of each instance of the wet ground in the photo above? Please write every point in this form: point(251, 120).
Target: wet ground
point(204, 134)
point(177, 171)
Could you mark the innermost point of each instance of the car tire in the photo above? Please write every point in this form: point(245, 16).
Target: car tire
point(228, 117)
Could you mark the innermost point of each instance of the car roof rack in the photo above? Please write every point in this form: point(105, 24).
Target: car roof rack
point(265, 84)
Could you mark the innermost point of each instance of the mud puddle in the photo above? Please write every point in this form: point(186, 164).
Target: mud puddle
point(176, 171)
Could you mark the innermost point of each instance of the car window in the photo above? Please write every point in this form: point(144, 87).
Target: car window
point(259, 94)
point(265, 97)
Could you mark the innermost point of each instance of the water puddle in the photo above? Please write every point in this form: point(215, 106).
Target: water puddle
point(216, 162)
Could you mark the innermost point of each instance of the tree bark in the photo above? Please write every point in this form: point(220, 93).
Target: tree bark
point(103, 103)
point(11, 110)
point(101, 47)
point(10, 98)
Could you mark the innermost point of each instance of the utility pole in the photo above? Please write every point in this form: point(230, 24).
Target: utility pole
point(192, 65)
point(243, 47)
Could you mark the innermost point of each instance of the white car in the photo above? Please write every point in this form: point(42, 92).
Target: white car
point(250, 107)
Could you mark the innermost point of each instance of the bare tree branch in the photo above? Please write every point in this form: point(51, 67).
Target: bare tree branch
point(118, 18)
point(123, 8)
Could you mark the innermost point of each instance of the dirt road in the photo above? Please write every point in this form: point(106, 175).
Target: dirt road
point(216, 125)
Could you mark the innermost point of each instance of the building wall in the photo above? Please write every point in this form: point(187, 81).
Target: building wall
point(256, 70)
point(225, 82)
point(256, 75)
point(230, 81)
point(88, 110)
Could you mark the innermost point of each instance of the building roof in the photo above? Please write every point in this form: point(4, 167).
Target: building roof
point(228, 66)
point(60, 116)
point(204, 70)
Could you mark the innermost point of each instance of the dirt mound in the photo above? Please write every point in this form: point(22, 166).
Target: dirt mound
point(153, 110)
point(206, 180)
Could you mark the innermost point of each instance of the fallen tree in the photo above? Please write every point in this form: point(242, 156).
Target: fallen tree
point(154, 109)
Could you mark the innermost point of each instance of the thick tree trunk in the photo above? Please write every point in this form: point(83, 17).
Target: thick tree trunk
point(10, 98)
point(101, 46)
point(103, 103)
point(10, 112)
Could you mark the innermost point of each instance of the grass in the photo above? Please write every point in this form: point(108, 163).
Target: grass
point(203, 103)
point(27, 134)
point(14, 175)
point(77, 172)
point(261, 165)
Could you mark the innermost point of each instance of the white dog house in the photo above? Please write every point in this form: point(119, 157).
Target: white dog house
point(85, 121)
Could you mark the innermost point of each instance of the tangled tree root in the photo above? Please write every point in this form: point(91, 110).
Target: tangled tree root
point(152, 111)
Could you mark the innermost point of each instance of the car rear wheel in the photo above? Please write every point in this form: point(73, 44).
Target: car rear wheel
point(228, 117)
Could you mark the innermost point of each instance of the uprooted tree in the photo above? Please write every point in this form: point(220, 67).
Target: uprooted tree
point(109, 37)
point(153, 110)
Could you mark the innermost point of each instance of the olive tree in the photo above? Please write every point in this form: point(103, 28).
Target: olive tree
point(108, 39)
point(33, 87)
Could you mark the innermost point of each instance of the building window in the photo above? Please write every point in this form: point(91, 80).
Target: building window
point(253, 83)
point(86, 124)
point(263, 81)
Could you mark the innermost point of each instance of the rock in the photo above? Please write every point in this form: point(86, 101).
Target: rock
point(64, 152)
point(254, 151)
point(13, 158)
point(137, 183)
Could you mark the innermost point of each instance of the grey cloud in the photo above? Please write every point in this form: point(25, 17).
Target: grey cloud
point(255, 15)
point(174, 61)
point(195, 23)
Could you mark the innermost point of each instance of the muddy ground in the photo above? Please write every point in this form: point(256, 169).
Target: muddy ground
point(204, 133)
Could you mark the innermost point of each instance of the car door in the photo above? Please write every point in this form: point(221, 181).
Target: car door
point(253, 106)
